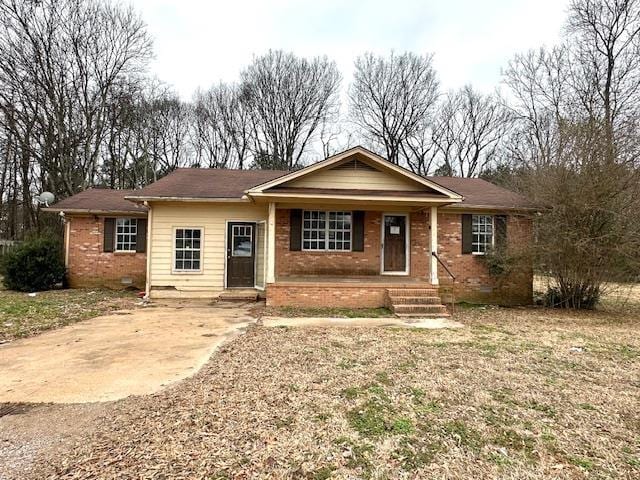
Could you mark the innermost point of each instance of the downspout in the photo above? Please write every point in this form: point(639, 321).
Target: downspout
point(147, 290)
point(67, 233)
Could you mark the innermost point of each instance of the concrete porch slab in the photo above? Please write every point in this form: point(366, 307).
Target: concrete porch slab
point(426, 323)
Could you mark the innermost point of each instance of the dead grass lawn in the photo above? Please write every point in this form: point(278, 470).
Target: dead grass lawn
point(516, 394)
point(23, 316)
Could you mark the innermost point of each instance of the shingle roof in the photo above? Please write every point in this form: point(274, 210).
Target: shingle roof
point(217, 183)
point(99, 200)
point(207, 183)
point(480, 193)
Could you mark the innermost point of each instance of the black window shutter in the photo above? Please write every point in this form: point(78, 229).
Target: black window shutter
point(358, 231)
point(500, 222)
point(295, 230)
point(109, 234)
point(467, 233)
point(141, 236)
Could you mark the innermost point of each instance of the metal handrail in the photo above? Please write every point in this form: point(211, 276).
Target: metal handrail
point(453, 277)
point(453, 284)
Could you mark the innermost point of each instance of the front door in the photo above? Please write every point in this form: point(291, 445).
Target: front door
point(241, 254)
point(394, 246)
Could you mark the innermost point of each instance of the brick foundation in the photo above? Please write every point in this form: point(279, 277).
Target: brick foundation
point(90, 266)
point(319, 296)
point(326, 294)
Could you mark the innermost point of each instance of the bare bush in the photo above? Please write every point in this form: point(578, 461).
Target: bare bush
point(577, 155)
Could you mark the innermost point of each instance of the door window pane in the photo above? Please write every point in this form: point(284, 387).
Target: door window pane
point(242, 240)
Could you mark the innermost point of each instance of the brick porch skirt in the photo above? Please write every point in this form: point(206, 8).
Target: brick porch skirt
point(344, 294)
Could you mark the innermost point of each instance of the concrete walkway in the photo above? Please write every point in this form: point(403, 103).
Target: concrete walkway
point(111, 357)
point(428, 323)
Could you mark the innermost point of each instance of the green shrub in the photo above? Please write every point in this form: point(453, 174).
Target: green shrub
point(34, 265)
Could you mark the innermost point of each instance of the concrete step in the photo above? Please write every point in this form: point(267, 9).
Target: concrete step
point(412, 292)
point(434, 308)
point(423, 315)
point(426, 300)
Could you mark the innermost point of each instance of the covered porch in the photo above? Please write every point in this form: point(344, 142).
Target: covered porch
point(348, 230)
point(386, 253)
point(371, 246)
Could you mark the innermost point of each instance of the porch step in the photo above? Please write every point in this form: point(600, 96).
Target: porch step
point(422, 315)
point(415, 300)
point(249, 295)
point(416, 303)
point(419, 309)
point(412, 292)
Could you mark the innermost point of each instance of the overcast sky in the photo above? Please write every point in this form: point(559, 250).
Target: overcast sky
point(200, 42)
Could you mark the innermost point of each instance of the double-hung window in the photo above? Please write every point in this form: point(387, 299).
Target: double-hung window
point(482, 233)
point(326, 231)
point(188, 249)
point(126, 234)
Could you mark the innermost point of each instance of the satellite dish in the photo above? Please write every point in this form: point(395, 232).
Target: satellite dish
point(46, 197)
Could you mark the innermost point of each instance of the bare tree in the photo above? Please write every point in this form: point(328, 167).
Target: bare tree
point(606, 35)
point(391, 100)
point(540, 84)
point(221, 128)
point(470, 127)
point(59, 62)
point(288, 98)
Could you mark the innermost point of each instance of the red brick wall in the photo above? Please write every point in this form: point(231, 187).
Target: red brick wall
point(89, 266)
point(351, 263)
point(420, 237)
point(473, 281)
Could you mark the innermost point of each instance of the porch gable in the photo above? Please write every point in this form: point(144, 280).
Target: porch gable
point(356, 173)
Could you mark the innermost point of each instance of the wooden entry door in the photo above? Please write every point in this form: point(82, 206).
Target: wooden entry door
point(394, 244)
point(241, 254)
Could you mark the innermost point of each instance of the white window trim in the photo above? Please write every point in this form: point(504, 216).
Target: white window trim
point(493, 232)
point(115, 236)
point(326, 230)
point(173, 251)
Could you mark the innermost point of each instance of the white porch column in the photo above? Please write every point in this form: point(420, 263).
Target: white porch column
point(433, 217)
point(271, 244)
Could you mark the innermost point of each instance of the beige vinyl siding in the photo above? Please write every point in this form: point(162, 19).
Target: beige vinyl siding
point(212, 219)
point(356, 179)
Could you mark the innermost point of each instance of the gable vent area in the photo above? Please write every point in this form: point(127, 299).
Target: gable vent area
point(355, 165)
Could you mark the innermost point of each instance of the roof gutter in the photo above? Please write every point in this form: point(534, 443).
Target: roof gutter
point(465, 206)
point(140, 199)
point(86, 211)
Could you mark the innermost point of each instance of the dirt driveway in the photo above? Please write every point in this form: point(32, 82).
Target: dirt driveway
point(111, 357)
